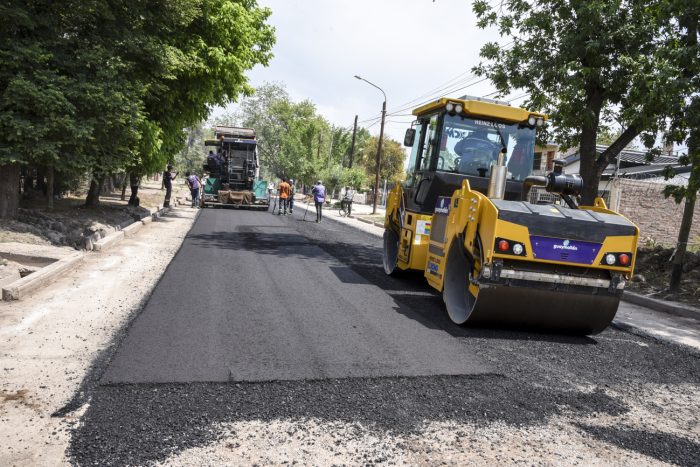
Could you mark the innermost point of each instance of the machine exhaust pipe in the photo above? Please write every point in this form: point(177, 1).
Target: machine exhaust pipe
point(529, 182)
point(499, 173)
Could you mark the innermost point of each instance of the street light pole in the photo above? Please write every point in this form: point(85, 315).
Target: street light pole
point(379, 145)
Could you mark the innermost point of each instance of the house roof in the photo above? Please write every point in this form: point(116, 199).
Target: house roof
point(632, 162)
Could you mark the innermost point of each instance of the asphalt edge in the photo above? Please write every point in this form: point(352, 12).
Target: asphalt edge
point(673, 308)
point(639, 331)
point(96, 370)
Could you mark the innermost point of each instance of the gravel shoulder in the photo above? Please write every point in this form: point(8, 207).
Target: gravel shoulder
point(49, 342)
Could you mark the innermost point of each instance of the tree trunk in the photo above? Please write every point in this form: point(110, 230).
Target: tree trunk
point(49, 186)
point(93, 196)
point(589, 171)
point(9, 190)
point(123, 183)
point(681, 247)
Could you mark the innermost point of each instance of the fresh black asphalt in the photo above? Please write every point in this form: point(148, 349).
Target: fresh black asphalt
point(320, 287)
point(253, 297)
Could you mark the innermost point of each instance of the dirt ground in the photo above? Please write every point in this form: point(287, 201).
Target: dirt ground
point(49, 341)
point(69, 222)
point(653, 271)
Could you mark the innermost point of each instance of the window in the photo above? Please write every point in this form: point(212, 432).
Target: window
point(429, 143)
point(537, 161)
point(471, 146)
point(550, 160)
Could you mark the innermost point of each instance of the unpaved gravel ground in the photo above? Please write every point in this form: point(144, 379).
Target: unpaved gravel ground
point(49, 342)
point(611, 399)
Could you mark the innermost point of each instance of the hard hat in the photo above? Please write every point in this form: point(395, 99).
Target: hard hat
point(291, 180)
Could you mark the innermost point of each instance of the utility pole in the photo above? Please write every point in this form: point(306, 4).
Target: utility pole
point(352, 145)
point(379, 155)
point(379, 144)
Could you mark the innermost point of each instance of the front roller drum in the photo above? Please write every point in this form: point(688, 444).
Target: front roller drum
point(390, 255)
point(524, 306)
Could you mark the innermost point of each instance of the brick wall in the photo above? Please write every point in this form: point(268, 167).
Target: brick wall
point(657, 217)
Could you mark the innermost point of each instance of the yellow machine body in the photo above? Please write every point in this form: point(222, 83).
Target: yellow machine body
point(559, 276)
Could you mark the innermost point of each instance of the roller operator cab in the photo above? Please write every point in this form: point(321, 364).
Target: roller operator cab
point(463, 218)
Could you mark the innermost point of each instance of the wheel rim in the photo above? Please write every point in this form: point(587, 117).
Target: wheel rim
point(459, 301)
point(391, 251)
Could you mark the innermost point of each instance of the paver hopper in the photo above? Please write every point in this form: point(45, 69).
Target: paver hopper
point(464, 217)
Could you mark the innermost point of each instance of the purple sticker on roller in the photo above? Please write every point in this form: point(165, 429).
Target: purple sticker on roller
point(568, 251)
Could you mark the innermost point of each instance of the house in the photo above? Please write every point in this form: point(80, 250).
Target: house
point(633, 164)
point(544, 158)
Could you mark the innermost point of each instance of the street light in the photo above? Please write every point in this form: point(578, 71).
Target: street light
point(379, 145)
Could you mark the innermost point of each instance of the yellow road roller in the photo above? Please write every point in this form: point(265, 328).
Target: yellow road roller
point(466, 218)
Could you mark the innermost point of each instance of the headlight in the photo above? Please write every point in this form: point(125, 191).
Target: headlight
point(540, 121)
point(449, 107)
point(531, 120)
point(518, 249)
point(459, 108)
point(610, 259)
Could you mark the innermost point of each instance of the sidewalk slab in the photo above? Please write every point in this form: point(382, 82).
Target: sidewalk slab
point(42, 277)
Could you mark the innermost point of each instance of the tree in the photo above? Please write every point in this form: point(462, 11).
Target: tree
point(101, 86)
point(681, 48)
point(392, 162)
point(587, 64)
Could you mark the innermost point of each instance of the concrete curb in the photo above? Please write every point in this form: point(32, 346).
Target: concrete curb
point(42, 277)
point(673, 308)
point(96, 242)
point(109, 241)
point(130, 230)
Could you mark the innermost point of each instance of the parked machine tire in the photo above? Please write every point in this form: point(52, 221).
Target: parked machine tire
point(391, 252)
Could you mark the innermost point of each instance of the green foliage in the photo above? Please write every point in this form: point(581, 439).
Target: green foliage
point(194, 154)
point(392, 159)
point(108, 85)
point(586, 63)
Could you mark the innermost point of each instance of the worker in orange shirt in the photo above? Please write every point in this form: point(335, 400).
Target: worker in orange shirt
point(284, 191)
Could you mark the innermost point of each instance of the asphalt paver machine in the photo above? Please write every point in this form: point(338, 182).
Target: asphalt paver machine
point(463, 217)
point(233, 174)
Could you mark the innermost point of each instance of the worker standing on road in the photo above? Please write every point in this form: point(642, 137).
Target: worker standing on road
point(319, 192)
point(167, 183)
point(194, 183)
point(292, 191)
point(283, 189)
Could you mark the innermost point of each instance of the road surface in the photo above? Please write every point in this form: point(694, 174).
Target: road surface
point(268, 328)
